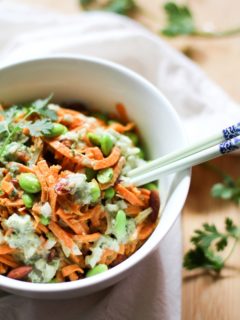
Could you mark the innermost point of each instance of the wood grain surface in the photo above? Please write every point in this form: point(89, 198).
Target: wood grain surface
point(204, 297)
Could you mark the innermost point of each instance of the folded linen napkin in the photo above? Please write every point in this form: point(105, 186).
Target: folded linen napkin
point(153, 291)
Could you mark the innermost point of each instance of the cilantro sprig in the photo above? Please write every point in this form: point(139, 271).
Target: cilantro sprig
point(9, 127)
point(38, 128)
point(40, 107)
point(227, 190)
point(208, 242)
point(123, 7)
point(180, 21)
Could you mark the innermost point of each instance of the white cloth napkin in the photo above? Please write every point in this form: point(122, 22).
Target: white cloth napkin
point(153, 290)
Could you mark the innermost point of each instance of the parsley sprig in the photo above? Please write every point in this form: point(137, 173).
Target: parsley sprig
point(180, 21)
point(9, 128)
point(123, 7)
point(208, 242)
point(227, 190)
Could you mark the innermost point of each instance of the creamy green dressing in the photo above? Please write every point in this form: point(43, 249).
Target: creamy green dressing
point(79, 188)
point(104, 242)
point(44, 271)
point(23, 235)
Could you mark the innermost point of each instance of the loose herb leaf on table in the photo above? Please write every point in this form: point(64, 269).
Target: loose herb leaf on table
point(227, 190)
point(180, 21)
point(208, 241)
point(123, 7)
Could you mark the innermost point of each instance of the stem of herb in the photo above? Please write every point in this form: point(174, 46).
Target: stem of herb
point(217, 34)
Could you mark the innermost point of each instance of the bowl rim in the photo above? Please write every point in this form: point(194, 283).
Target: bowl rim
point(153, 241)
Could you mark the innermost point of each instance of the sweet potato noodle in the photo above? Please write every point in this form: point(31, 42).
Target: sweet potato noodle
point(64, 212)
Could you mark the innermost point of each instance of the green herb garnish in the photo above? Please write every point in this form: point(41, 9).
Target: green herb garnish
point(207, 242)
point(180, 21)
point(227, 190)
point(40, 107)
point(10, 127)
point(39, 127)
point(123, 7)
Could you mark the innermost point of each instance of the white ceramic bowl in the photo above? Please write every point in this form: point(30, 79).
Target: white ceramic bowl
point(101, 84)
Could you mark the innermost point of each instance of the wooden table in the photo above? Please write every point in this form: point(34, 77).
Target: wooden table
point(204, 297)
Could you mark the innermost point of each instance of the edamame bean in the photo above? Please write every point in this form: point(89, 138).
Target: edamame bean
point(95, 191)
point(150, 186)
point(119, 228)
point(106, 144)
point(133, 137)
point(105, 175)
point(28, 200)
point(90, 174)
point(44, 220)
point(94, 138)
point(99, 268)
point(109, 193)
point(29, 182)
point(57, 130)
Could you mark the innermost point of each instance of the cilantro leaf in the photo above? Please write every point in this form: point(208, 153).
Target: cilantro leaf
point(205, 237)
point(40, 107)
point(179, 20)
point(41, 103)
point(207, 241)
point(3, 127)
point(8, 129)
point(123, 7)
point(48, 113)
point(10, 113)
point(39, 127)
point(232, 228)
point(11, 126)
point(227, 190)
point(200, 258)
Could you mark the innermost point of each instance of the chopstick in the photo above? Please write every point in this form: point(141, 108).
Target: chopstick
point(186, 162)
point(224, 135)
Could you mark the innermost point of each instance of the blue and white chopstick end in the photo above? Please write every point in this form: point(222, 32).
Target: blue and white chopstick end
point(229, 145)
point(231, 132)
